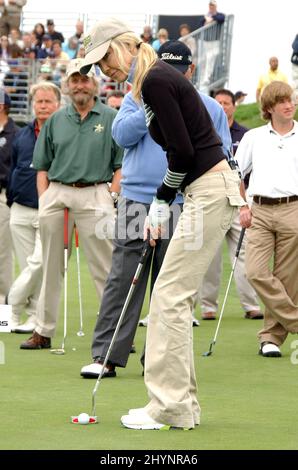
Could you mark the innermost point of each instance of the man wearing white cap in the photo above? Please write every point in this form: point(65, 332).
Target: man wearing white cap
point(76, 158)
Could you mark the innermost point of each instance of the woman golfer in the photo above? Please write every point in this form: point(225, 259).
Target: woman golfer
point(180, 123)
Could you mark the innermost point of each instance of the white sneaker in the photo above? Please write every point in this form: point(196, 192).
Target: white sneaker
point(15, 322)
point(136, 411)
point(28, 326)
point(144, 321)
point(92, 371)
point(141, 421)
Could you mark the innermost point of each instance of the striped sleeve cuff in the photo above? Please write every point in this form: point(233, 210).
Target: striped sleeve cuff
point(173, 180)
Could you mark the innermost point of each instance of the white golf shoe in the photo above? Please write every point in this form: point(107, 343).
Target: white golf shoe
point(15, 322)
point(92, 371)
point(27, 327)
point(139, 419)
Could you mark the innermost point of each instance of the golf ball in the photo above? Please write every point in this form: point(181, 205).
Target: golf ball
point(74, 349)
point(83, 418)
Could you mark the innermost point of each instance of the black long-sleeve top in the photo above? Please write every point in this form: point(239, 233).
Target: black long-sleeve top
point(180, 123)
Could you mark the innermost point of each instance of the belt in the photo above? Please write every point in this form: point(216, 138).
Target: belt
point(271, 201)
point(79, 184)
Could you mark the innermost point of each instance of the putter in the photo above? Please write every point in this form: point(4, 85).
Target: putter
point(208, 353)
point(61, 351)
point(146, 250)
point(80, 332)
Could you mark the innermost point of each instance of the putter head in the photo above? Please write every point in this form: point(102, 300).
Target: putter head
point(58, 352)
point(207, 353)
point(92, 420)
point(80, 333)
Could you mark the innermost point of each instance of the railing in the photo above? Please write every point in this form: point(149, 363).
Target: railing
point(211, 49)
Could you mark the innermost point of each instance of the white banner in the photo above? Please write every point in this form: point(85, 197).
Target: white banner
point(5, 318)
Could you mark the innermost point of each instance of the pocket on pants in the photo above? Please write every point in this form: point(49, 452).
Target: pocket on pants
point(233, 202)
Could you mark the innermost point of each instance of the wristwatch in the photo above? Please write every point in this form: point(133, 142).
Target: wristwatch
point(114, 196)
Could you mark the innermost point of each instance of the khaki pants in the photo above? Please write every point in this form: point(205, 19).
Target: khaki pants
point(23, 226)
point(6, 258)
point(92, 210)
point(210, 206)
point(274, 232)
point(211, 283)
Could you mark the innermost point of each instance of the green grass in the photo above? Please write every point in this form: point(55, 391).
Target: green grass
point(248, 402)
point(249, 115)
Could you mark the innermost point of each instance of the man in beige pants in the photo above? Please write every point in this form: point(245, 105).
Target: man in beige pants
point(271, 154)
point(75, 157)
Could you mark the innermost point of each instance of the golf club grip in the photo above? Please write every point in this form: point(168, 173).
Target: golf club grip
point(76, 236)
point(147, 247)
point(240, 241)
point(65, 228)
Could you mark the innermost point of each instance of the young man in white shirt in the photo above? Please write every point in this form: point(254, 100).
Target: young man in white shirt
point(271, 154)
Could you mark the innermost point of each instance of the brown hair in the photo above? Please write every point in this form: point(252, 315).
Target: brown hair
point(274, 93)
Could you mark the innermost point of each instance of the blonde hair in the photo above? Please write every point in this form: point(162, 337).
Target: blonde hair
point(274, 93)
point(145, 59)
point(45, 86)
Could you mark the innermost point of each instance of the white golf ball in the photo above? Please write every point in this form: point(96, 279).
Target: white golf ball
point(83, 418)
point(74, 349)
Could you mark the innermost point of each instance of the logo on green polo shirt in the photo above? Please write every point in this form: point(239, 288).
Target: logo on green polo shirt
point(98, 128)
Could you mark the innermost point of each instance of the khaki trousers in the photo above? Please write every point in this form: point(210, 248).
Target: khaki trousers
point(210, 206)
point(23, 226)
point(211, 283)
point(274, 233)
point(92, 210)
point(6, 257)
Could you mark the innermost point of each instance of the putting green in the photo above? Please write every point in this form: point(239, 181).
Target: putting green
point(248, 402)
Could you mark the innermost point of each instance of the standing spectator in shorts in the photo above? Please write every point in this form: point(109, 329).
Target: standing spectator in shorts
point(212, 39)
point(75, 157)
point(22, 191)
point(270, 153)
point(11, 15)
point(8, 131)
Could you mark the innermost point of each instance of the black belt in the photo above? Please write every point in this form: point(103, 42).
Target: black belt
point(79, 184)
point(271, 201)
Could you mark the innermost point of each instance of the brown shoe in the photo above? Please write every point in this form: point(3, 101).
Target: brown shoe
point(209, 316)
point(254, 315)
point(36, 342)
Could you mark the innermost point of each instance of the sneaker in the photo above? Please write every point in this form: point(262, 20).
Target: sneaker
point(269, 350)
point(15, 322)
point(209, 316)
point(36, 342)
point(144, 321)
point(27, 327)
point(92, 371)
point(254, 315)
point(143, 421)
point(195, 321)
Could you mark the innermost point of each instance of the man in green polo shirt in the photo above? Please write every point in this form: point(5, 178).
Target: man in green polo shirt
point(75, 157)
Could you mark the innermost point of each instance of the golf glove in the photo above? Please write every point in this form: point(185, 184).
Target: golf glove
point(159, 213)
